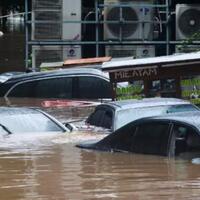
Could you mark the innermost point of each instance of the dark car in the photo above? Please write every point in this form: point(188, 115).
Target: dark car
point(115, 114)
point(28, 120)
point(165, 135)
point(79, 83)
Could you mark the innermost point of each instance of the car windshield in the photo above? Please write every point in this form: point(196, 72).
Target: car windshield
point(27, 122)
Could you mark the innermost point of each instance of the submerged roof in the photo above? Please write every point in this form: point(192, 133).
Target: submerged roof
point(146, 102)
point(162, 60)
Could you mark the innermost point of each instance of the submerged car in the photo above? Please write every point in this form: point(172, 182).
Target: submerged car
point(165, 135)
point(28, 120)
point(76, 83)
point(115, 114)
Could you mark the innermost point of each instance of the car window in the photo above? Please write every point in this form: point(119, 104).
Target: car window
point(93, 88)
point(56, 88)
point(107, 119)
point(184, 139)
point(96, 117)
point(151, 138)
point(47, 88)
point(102, 118)
point(121, 140)
point(23, 90)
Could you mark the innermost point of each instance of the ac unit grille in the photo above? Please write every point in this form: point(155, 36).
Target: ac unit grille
point(189, 22)
point(125, 29)
point(48, 15)
point(47, 55)
point(46, 4)
point(47, 31)
point(52, 29)
point(117, 51)
point(120, 53)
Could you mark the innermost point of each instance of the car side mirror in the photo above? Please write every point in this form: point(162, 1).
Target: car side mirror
point(70, 126)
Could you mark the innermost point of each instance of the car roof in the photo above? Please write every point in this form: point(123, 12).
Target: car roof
point(191, 117)
point(61, 72)
point(146, 102)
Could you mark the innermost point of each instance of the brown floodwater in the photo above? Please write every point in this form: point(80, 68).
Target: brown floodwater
point(53, 168)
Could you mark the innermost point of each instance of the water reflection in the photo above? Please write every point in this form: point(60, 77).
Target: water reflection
point(62, 171)
point(125, 176)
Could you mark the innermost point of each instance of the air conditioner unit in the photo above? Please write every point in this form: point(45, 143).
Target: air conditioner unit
point(55, 20)
point(137, 51)
point(50, 19)
point(116, 12)
point(41, 54)
point(187, 20)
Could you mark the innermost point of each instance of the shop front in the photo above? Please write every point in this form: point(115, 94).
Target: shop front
point(167, 76)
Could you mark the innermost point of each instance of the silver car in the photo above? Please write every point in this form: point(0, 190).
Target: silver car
point(115, 114)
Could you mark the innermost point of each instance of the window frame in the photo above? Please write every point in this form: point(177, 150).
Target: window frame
point(75, 84)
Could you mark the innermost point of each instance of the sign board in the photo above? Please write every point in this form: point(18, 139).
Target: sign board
point(135, 74)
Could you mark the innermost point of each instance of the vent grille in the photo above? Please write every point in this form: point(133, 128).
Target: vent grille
point(125, 29)
point(46, 4)
point(189, 22)
point(45, 54)
point(48, 25)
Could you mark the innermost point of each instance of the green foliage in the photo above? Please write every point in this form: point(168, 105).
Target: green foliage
point(186, 46)
point(129, 92)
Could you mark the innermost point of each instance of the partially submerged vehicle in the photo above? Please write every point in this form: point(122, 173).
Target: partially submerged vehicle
point(115, 114)
point(76, 83)
point(165, 135)
point(28, 120)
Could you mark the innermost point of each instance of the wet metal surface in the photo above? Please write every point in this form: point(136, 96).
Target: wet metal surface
point(52, 168)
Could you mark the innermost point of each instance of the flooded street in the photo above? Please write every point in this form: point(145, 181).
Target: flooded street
point(51, 167)
point(61, 171)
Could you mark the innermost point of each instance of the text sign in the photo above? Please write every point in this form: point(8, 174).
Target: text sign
point(135, 73)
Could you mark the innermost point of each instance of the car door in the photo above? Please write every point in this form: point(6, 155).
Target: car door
point(152, 137)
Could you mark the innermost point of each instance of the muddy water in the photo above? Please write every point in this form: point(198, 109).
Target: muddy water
point(53, 168)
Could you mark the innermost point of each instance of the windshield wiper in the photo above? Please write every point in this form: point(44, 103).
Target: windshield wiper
point(6, 129)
